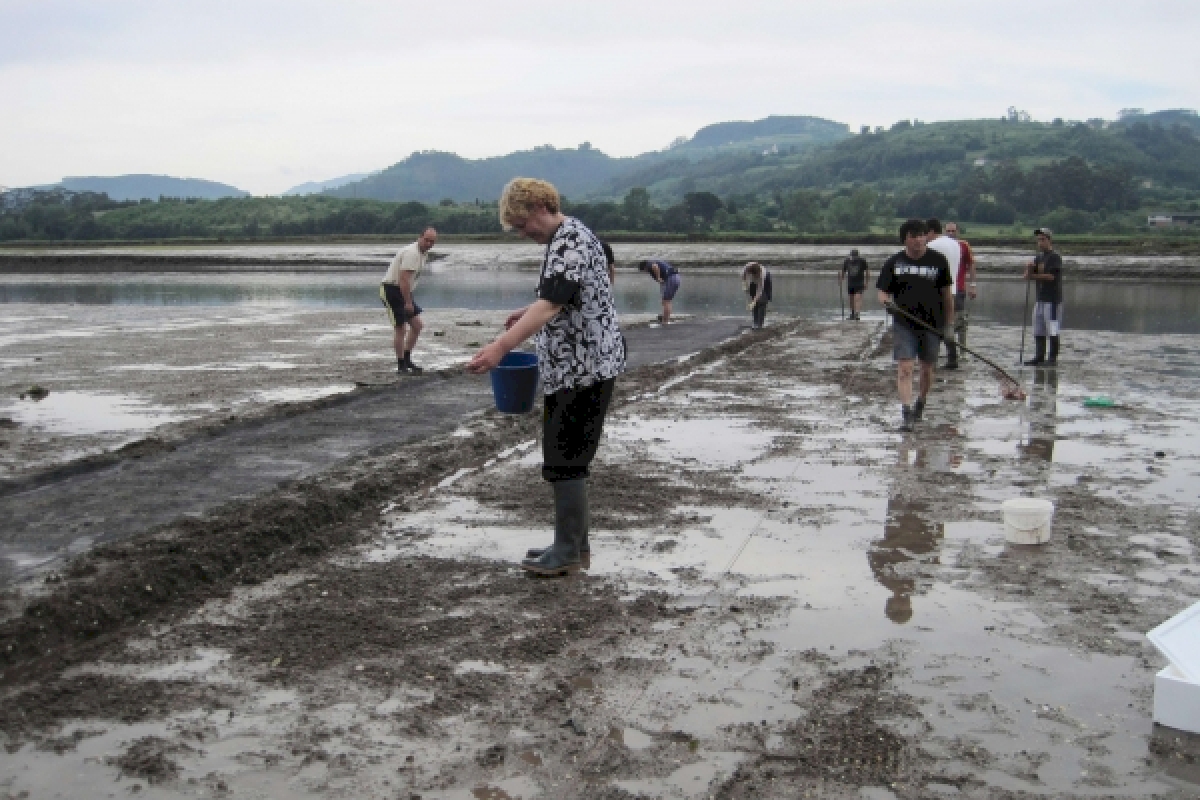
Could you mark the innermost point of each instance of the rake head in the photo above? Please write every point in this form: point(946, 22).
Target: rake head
point(1012, 391)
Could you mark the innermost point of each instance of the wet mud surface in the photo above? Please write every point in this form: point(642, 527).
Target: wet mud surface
point(75, 505)
point(149, 379)
point(786, 598)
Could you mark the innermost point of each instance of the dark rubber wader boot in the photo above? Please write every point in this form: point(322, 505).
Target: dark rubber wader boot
point(1039, 352)
point(1053, 357)
point(570, 531)
point(585, 548)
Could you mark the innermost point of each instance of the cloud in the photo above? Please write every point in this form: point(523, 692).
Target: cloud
point(264, 94)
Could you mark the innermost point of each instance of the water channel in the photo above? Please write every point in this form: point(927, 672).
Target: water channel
point(1129, 307)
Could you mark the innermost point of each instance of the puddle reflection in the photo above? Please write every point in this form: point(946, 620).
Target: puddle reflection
point(908, 538)
point(77, 413)
point(1043, 423)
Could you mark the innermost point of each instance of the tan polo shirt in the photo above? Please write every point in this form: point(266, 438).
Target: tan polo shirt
point(409, 259)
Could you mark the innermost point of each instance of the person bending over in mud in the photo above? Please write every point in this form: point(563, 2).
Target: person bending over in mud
point(756, 281)
point(580, 353)
point(668, 279)
point(396, 292)
point(915, 284)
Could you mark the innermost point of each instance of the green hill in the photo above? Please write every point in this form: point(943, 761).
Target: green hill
point(432, 176)
point(935, 156)
point(779, 175)
point(150, 187)
point(1085, 176)
point(772, 134)
point(1162, 119)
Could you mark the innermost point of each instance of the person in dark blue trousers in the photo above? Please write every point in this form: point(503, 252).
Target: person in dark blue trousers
point(668, 280)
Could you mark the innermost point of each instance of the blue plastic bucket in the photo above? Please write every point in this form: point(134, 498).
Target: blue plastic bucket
point(514, 383)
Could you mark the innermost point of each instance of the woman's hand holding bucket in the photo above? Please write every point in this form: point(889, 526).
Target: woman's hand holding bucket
point(487, 358)
point(521, 324)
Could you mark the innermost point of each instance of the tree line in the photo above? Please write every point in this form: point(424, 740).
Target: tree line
point(88, 216)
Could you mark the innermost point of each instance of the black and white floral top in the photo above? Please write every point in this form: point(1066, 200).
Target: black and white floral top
point(582, 344)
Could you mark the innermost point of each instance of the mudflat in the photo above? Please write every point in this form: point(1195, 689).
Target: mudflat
point(156, 375)
point(190, 467)
point(786, 598)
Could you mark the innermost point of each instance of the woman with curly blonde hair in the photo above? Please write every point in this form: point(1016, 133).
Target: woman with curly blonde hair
point(580, 353)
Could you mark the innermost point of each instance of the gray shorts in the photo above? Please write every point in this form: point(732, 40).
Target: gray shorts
point(1047, 319)
point(909, 343)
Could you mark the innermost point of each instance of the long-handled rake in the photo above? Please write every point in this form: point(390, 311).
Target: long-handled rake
point(1024, 323)
point(1010, 387)
point(841, 297)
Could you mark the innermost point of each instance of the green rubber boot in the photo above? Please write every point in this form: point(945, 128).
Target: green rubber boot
point(570, 531)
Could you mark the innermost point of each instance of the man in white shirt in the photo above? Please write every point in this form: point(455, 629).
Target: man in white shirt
point(950, 248)
point(396, 292)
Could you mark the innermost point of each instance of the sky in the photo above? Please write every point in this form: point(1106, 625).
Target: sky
point(265, 95)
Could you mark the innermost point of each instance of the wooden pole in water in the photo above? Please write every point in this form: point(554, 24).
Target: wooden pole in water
point(1024, 323)
point(841, 297)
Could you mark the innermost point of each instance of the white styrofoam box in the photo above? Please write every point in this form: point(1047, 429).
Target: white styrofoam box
point(1179, 640)
point(1176, 700)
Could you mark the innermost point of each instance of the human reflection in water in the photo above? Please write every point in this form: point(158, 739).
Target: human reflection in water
point(1043, 417)
point(908, 537)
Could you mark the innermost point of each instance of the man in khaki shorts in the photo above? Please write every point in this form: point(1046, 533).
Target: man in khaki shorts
point(396, 292)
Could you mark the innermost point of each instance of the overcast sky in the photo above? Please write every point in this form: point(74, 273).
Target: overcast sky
point(265, 95)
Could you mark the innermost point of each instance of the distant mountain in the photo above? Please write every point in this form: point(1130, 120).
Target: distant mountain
point(772, 132)
point(316, 187)
point(432, 176)
point(582, 172)
point(151, 187)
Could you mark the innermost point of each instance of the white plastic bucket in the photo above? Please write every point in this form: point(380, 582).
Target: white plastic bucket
point(1027, 520)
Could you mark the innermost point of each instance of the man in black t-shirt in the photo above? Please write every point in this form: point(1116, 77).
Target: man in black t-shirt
point(856, 273)
point(1046, 269)
point(916, 280)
